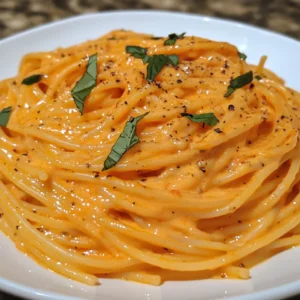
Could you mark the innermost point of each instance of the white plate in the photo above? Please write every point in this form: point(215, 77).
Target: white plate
point(277, 278)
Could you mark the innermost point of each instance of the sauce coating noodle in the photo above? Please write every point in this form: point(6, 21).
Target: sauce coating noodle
point(188, 201)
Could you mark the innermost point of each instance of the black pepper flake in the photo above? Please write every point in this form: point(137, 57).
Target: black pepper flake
point(16, 169)
point(231, 107)
point(251, 85)
point(88, 165)
point(118, 80)
point(97, 175)
point(203, 169)
point(179, 81)
point(282, 117)
point(166, 249)
point(133, 203)
point(218, 130)
point(125, 102)
point(1, 215)
point(73, 203)
point(144, 179)
point(239, 221)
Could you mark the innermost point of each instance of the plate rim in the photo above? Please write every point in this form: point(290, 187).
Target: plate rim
point(21, 290)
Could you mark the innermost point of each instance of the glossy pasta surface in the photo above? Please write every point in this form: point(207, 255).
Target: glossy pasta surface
point(188, 201)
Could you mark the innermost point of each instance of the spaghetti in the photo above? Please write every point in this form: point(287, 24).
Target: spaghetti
point(185, 198)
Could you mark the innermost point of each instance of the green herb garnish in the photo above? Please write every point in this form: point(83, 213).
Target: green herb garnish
point(156, 37)
point(239, 82)
point(32, 79)
point(86, 83)
point(157, 62)
point(242, 55)
point(173, 37)
point(208, 118)
point(125, 141)
point(136, 51)
point(173, 59)
point(146, 59)
point(4, 116)
point(258, 77)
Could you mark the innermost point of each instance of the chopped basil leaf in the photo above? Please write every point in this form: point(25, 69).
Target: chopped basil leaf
point(157, 62)
point(239, 82)
point(125, 141)
point(146, 59)
point(242, 55)
point(230, 90)
point(258, 77)
point(86, 83)
point(173, 59)
point(4, 116)
point(136, 51)
point(156, 37)
point(173, 37)
point(32, 79)
point(208, 118)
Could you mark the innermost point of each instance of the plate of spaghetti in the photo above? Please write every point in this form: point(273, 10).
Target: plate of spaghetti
point(153, 152)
